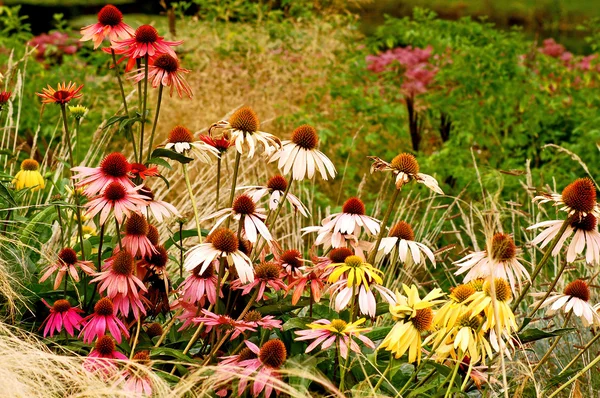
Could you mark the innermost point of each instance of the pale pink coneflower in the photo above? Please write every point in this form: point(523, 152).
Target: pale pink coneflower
point(325, 333)
point(135, 381)
point(223, 323)
point(401, 244)
point(113, 168)
point(267, 322)
point(67, 262)
point(102, 357)
point(62, 315)
point(103, 320)
point(221, 243)
point(181, 140)
point(575, 297)
point(406, 169)
point(110, 26)
point(165, 71)
point(145, 41)
point(577, 199)
point(275, 188)
point(263, 369)
point(120, 283)
point(160, 209)
point(585, 233)
point(501, 262)
point(135, 239)
point(199, 286)
point(301, 157)
point(266, 275)
point(118, 199)
point(244, 210)
point(243, 127)
point(341, 295)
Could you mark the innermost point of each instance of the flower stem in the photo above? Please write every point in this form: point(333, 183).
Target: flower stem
point(384, 222)
point(144, 102)
point(188, 184)
point(552, 347)
point(160, 91)
point(542, 262)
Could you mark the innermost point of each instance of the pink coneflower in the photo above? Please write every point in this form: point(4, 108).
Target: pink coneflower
point(135, 239)
point(406, 169)
point(100, 359)
point(121, 200)
point(158, 208)
point(120, 284)
point(61, 315)
point(500, 262)
point(110, 25)
point(102, 320)
point(221, 243)
point(266, 275)
point(325, 333)
point(577, 199)
point(113, 168)
point(224, 323)
point(264, 368)
point(301, 156)
point(275, 188)
point(401, 245)
point(141, 171)
point(585, 230)
point(165, 71)
point(337, 228)
point(575, 297)
point(136, 382)
point(62, 95)
point(199, 286)
point(341, 294)
point(268, 322)
point(67, 263)
point(244, 206)
point(145, 41)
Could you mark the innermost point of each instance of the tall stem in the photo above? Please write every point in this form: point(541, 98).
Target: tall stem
point(188, 184)
point(144, 102)
point(160, 91)
point(384, 222)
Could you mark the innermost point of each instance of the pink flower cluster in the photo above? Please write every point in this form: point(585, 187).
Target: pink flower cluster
point(413, 63)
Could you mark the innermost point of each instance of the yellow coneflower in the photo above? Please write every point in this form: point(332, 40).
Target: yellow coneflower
point(414, 316)
point(360, 273)
point(29, 176)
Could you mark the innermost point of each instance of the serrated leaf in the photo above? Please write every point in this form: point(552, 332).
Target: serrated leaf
point(169, 154)
point(529, 335)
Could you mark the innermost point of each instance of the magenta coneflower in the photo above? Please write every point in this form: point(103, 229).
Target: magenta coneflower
point(253, 218)
point(145, 41)
point(102, 320)
point(268, 322)
point(113, 168)
point(165, 71)
point(136, 240)
point(62, 315)
point(67, 263)
point(158, 208)
point(118, 199)
point(100, 359)
point(577, 199)
point(301, 156)
point(275, 188)
point(221, 243)
point(224, 323)
point(199, 286)
point(264, 368)
point(110, 25)
point(266, 275)
point(62, 95)
point(585, 233)
point(120, 284)
point(325, 333)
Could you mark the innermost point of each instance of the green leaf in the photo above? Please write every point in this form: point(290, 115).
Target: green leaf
point(169, 154)
point(529, 335)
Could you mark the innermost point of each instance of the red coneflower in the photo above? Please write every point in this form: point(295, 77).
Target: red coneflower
point(145, 41)
point(117, 198)
point(113, 168)
point(102, 320)
point(61, 315)
point(136, 240)
point(67, 263)
point(165, 71)
point(110, 25)
point(62, 95)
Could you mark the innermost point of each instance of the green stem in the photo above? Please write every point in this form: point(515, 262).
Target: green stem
point(144, 102)
point(160, 91)
point(384, 222)
point(188, 184)
point(539, 266)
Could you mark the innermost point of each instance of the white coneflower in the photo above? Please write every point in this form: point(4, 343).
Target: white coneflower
point(275, 188)
point(585, 234)
point(301, 156)
point(243, 126)
point(577, 199)
point(406, 169)
point(181, 140)
point(402, 238)
point(253, 218)
point(575, 297)
point(500, 262)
